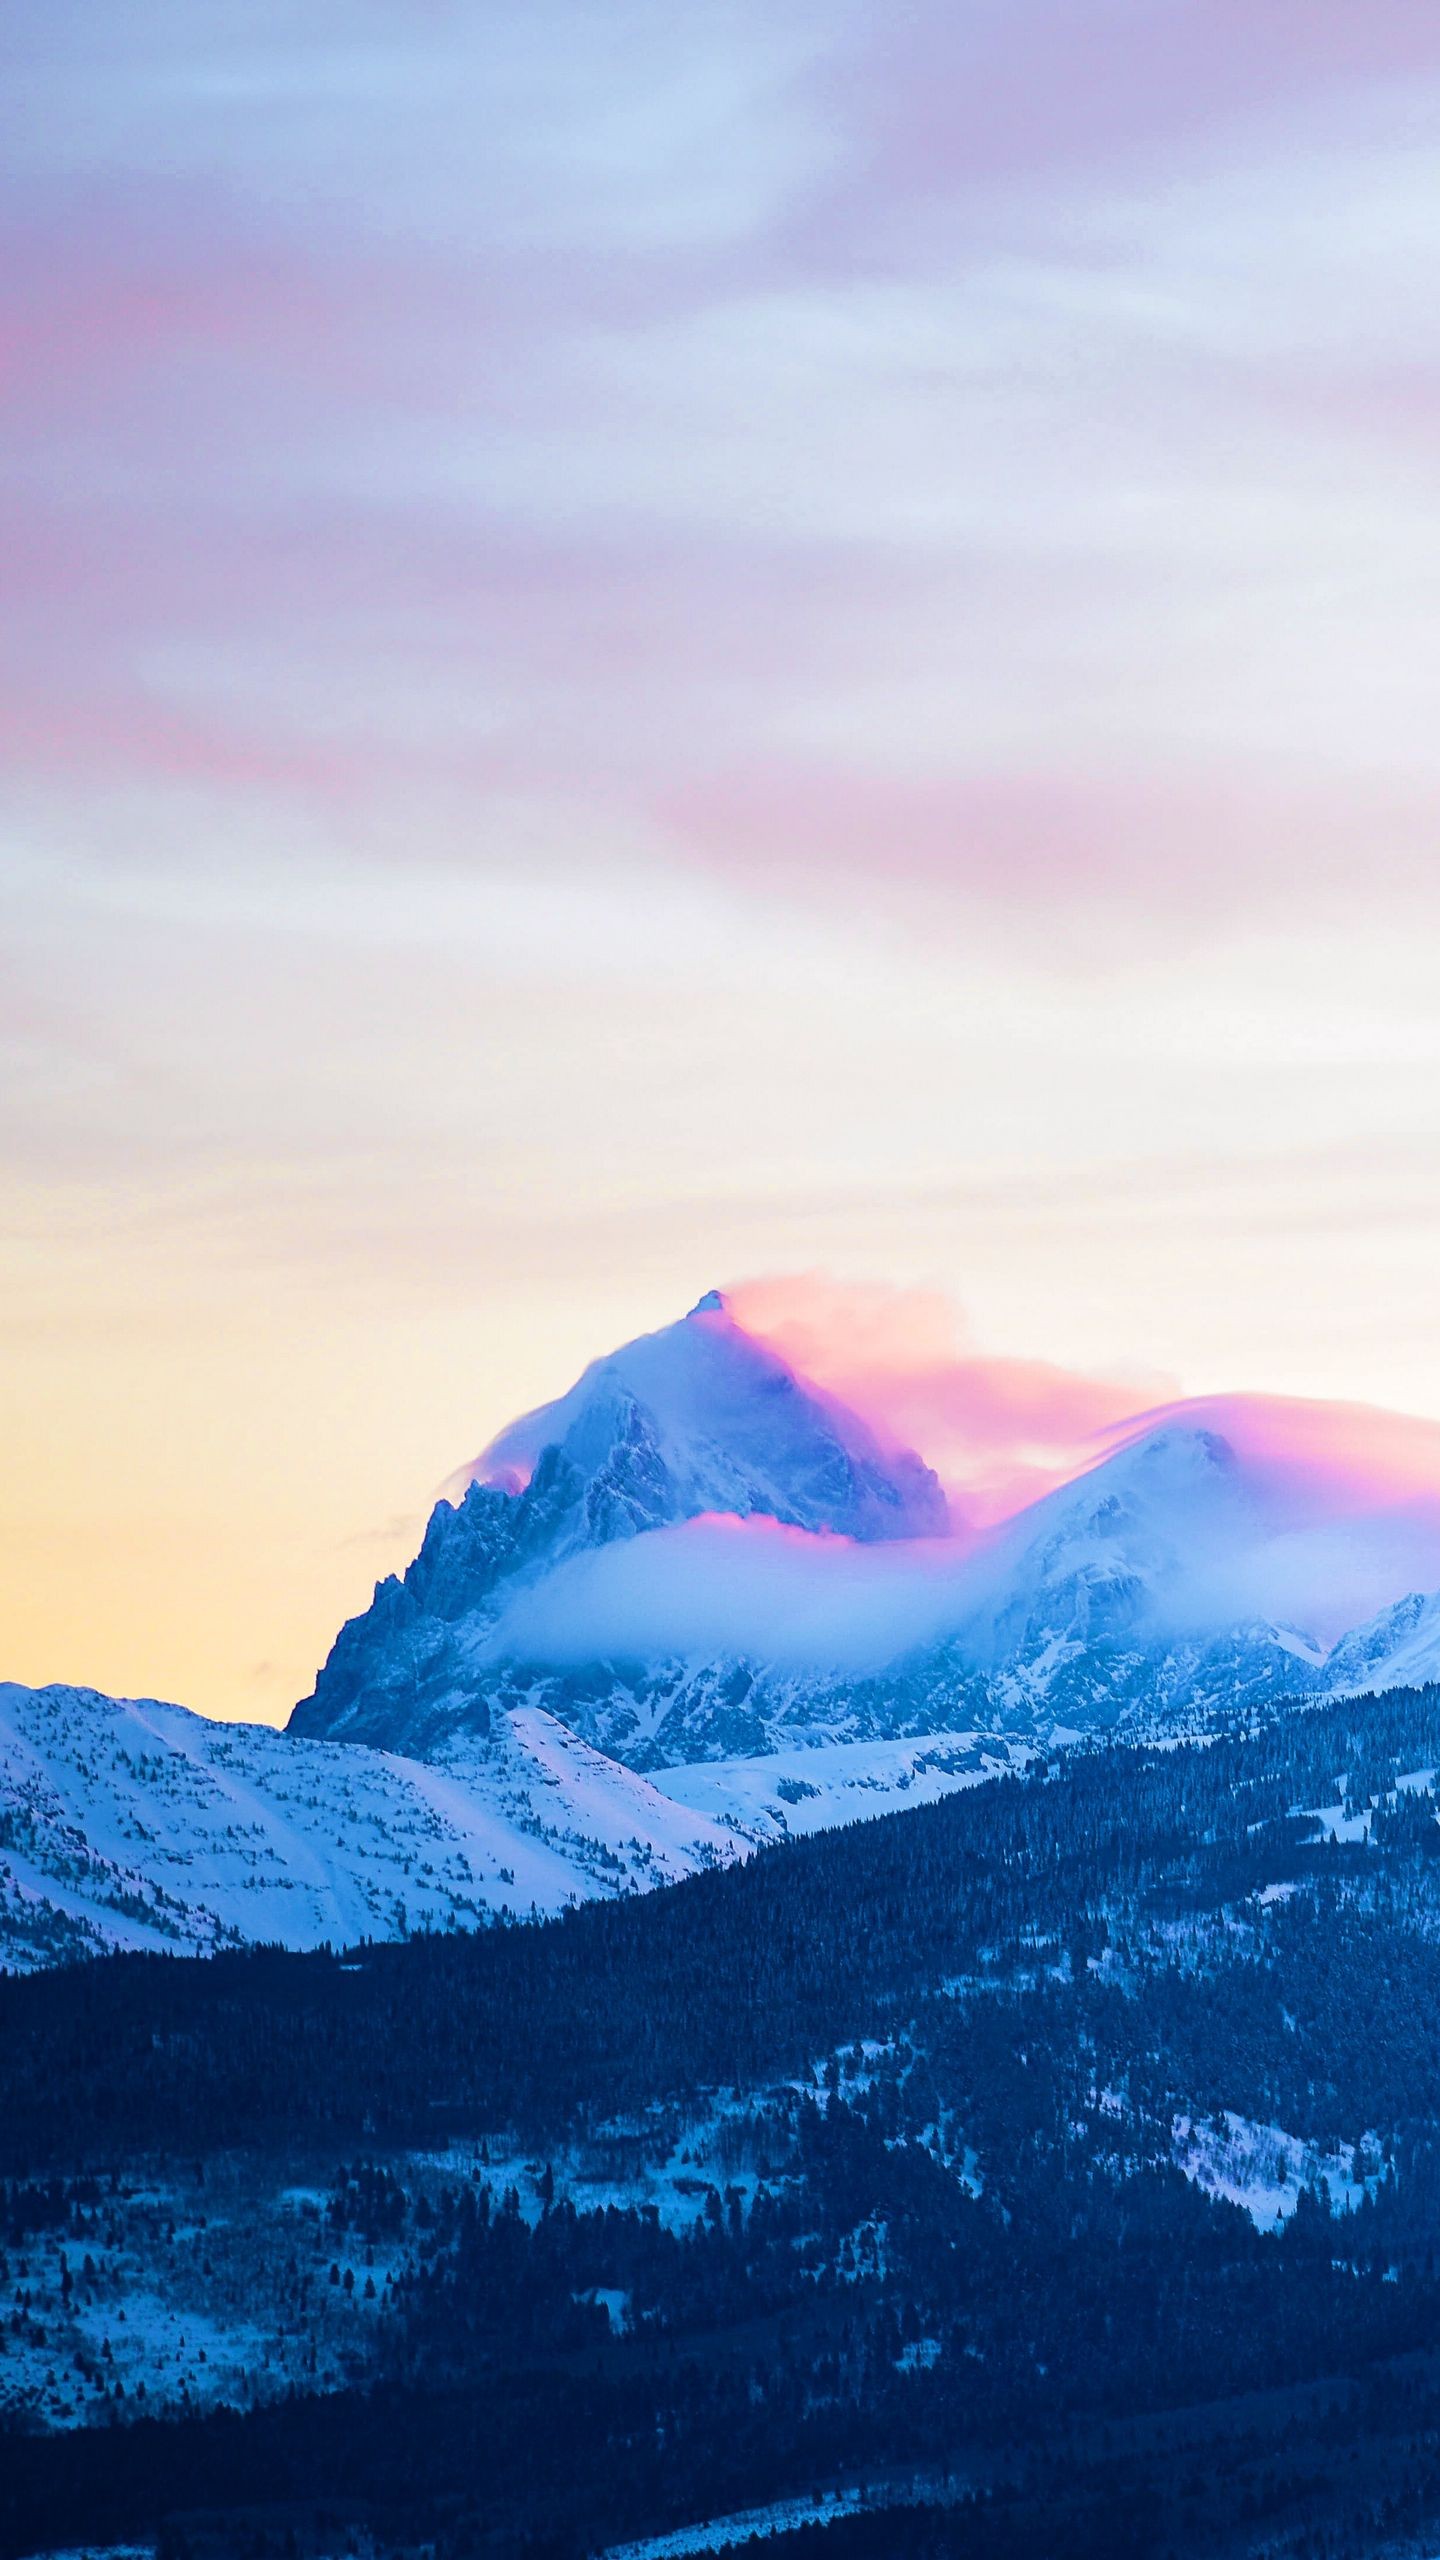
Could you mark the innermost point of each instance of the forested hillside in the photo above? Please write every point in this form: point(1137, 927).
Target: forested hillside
point(1059, 2159)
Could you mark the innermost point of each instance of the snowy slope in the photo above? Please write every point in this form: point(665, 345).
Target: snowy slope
point(1398, 1648)
point(1127, 1595)
point(785, 1794)
point(124, 1823)
point(1098, 1554)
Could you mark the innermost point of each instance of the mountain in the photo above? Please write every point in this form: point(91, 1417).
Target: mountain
point(695, 1556)
point(698, 1419)
point(1117, 1598)
point(690, 1607)
point(1110, 1605)
point(125, 1823)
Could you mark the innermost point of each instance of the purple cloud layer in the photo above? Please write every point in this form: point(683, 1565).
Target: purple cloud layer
point(989, 446)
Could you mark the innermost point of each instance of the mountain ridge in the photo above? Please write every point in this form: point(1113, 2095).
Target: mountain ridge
point(130, 1823)
point(588, 1680)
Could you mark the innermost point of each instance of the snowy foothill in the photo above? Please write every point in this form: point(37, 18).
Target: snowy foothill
point(127, 1823)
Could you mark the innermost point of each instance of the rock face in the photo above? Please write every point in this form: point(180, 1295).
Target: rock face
point(1102, 1607)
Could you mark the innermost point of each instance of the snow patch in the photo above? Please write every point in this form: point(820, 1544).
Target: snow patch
point(1265, 2170)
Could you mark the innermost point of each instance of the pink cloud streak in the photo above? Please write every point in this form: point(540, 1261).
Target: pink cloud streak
point(1001, 1431)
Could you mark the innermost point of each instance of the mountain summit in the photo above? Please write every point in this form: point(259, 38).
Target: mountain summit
point(727, 1426)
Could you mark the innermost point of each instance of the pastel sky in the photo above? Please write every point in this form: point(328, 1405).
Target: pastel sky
point(649, 645)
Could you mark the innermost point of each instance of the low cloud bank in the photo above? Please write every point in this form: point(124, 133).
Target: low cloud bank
point(1256, 1532)
point(725, 1586)
point(998, 1431)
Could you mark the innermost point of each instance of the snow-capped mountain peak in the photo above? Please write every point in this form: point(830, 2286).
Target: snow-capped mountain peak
point(728, 1426)
point(1132, 1525)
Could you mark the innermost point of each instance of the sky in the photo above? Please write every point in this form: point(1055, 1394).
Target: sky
point(649, 647)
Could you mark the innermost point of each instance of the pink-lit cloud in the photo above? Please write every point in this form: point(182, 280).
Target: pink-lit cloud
point(1003, 1431)
point(973, 99)
point(998, 1431)
point(1317, 1459)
